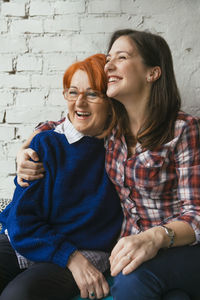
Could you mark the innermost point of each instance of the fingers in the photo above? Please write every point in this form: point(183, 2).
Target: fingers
point(21, 182)
point(118, 247)
point(100, 287)
point(28, 170)
point(132, 265)
point(96, 287)
point(90, 281)
point(22, 177)
point(132, 251)
point(30, 153)
point(120, 263)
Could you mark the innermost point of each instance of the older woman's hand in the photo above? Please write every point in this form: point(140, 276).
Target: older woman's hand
point(27, 169)
point(132, 251)
point(90, 281)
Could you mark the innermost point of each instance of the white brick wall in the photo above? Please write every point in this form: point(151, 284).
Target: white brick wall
point(40, 39)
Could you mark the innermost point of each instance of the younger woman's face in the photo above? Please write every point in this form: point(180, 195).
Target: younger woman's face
point(125, 70)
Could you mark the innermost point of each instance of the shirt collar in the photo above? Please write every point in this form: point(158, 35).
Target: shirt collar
point(69, 131)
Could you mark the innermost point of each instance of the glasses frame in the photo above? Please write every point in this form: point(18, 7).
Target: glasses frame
point(98, 99)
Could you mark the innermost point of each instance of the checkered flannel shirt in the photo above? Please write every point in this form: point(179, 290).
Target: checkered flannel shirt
point(161, 186)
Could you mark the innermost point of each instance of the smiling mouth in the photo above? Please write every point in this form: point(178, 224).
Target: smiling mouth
point(113, 79)
point(82, 114)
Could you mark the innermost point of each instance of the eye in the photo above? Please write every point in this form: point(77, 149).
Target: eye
point(92, 94)
point(107, 59)
point(122, 57)
point(73, 92)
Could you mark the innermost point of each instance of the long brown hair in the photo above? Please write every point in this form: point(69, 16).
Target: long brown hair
point(94, 67)
point(164, 102)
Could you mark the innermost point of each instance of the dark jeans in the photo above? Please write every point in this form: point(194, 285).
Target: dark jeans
point(41, 281)
point(173, 274)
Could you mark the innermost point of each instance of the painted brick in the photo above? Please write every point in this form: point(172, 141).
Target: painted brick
point(6, 133)
point(3, 25)
point(23, 131)
point(39, 8)
point(5, 63)
point(2, 114)
point(104, 6)
point(86, 42)
point(6, 98)
point(30, 99)
point(50, 44)
point(6, 186)
point(14, 81)
point(3, 155)
point(13, 9)
point(148, 8)
point(32, 115)
point(69, 7)
point(56, 99)
point(29, 62)
point(7, 166)
point(64, 23)
point(12, 44)
point(26, 26)
point(104, 24)
point(47, 81)
point(12, 148)
point(58, 62)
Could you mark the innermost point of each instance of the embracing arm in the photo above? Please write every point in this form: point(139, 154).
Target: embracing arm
point(27, 169)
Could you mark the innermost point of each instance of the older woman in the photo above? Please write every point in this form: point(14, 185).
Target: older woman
point(58, 231)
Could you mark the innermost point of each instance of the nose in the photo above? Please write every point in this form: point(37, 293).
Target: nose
point(109, 66)
point(81, 100)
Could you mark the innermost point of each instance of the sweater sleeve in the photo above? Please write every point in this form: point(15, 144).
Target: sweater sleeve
point(29, 228)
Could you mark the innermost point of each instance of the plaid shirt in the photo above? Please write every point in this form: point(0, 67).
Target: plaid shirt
point(48, 125)
point(161, 186)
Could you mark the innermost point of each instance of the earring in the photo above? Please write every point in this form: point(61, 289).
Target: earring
point(149, 79)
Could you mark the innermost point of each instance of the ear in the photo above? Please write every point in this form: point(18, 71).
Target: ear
point(154, 74)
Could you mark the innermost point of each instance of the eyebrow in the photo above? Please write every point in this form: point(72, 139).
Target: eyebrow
point(118, 52)
point(74, 87)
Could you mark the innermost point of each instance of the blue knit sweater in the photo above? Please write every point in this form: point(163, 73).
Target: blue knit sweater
point(74, 206)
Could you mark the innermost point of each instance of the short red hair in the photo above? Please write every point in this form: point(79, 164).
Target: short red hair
point(94, 67)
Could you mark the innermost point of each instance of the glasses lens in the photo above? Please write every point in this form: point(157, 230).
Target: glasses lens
point(72, 94)
point(92, 95)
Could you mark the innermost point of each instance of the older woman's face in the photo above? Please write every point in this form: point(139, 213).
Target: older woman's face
point(87, 117)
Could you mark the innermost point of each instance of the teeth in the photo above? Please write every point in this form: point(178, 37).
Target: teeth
point(113, 79)
point(80, 113)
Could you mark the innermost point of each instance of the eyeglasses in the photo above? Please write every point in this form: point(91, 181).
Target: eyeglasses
point(92, 96)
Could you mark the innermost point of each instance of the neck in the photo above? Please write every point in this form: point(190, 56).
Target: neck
point(136, 109)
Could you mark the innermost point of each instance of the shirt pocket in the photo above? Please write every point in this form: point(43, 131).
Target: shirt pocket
point(150, 170)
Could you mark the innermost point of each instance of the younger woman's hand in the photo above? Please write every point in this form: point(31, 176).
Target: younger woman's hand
point(131, 251)
point(27, 169)
point(90, 281)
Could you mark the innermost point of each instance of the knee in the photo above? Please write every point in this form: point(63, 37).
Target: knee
point(17, 291)
point(140, 284)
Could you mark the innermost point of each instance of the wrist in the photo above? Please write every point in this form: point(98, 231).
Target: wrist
point(161, 239)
